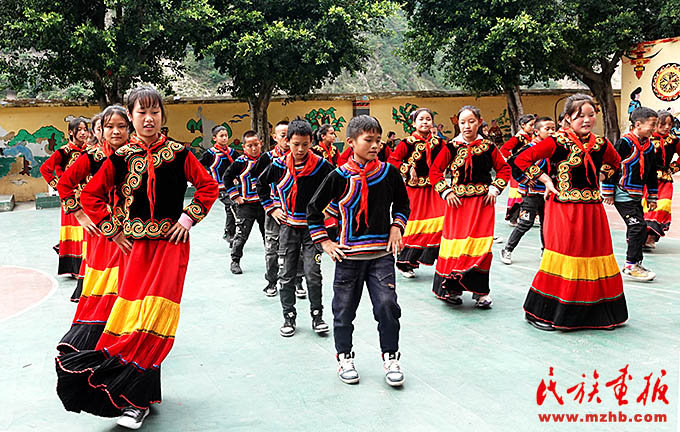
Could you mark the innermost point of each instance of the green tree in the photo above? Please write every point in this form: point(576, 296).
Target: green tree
point(594, 34)
point(106, 45)
point(289, 46)
point(487, 46)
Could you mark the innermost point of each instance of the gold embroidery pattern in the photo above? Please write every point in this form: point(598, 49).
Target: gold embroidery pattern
point(441, 186)
point(136, 228)
point(608, 170)
point(195, 211)
point(564, 187)
point(108, 228)
point(70, 205)
point(470, 189)
point(137, 166)
point(53, 183)
point(418, 152)
point(499, 183)
point(532, 172)
point(461, 155)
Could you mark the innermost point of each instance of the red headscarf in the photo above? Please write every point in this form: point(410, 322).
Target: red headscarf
point(585, 149)
point(310, 164)
point(150, 169)
point(640, 148)
point(353, 167)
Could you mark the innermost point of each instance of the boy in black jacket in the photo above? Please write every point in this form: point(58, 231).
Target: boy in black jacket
point(295, 177)
point(625, 189)
point(240, 184)
point(361, 194)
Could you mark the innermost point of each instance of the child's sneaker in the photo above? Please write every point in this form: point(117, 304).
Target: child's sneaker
point(300, 291)
point(318, 324)
point(288, 327)
point(393, 374)
point(638, 273)
point(132, 417)
point(408, 274)
point(236, 267)
point(346, 370)
point(497, 239)
point(270, 290)
point(484, 302)
point(506, 256)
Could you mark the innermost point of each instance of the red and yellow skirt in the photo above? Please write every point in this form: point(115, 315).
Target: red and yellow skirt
point(423, 232)
point(124, 368)
point(99, 293)
point(514, 201)
point(71, 246)
point(659, 220)
point(578, 284)
point(465, 252)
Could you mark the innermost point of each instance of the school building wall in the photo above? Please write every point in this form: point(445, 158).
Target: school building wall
point(650, 76)
point(30, 131)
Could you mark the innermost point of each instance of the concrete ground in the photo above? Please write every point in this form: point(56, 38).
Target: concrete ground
point(466, 369)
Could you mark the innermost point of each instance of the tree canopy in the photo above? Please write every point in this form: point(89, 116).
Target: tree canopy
point(289, 46)
point(107, 45)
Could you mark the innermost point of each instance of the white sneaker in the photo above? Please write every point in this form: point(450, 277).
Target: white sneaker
point(506, 256)
point(346, 370)
point(498, 239)
point(393, 374)
point(132, 417)
point(484, 302)
point(408, 274)
point(638, 273)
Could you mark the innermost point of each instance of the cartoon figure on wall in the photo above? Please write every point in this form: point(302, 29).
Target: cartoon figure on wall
point(634, 100)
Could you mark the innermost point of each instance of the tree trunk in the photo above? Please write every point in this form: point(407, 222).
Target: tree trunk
point(258, 115)
point(515, 107)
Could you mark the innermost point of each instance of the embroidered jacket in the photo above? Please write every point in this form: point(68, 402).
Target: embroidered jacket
point(216, 162)
point(524, 188)
point(574, 178)
point(330, 154)
point(277, 174)
point(383, 154)
point(60, 161)
point(340, 196)
point(631, 178)
point(126, 171)
point(515, 144)
point(77, 176)
point(240, 179)
point(470, 173)
point(412, 152)
point(266, 159)
point(665, 166)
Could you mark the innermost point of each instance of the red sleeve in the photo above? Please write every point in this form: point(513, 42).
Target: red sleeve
point(503, 171)
point(398, 155)
point(388, 152)
point(344, 156)
point(48, 168)
point(94, 199)
point(674, 164)
point(508, 147)
point(437, 169)
point(70, 180)
point(611, 157)
point(542, 150)
point(206, 189)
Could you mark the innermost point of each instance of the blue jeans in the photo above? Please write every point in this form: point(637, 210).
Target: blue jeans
point(350, 276)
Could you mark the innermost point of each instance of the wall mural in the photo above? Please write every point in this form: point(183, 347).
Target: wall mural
point(666, 82)
point(204, 126)
point(318, 117)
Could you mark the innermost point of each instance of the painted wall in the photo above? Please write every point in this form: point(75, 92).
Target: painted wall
point(29, 135)
point(650, 76)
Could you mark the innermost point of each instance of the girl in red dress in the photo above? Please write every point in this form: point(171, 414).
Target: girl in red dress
point(465, 253)
point(413, 157)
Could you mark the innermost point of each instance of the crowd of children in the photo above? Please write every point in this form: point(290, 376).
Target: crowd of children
point(370, 208)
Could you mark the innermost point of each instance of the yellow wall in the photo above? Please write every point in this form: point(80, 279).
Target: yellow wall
point(648, 67)
point(185, 117)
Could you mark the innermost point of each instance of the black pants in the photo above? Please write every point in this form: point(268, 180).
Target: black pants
point(532, 205)
point(246, 215)
point(296, 243)
point(229, 209)
point(350, 276)
point(636, 228)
